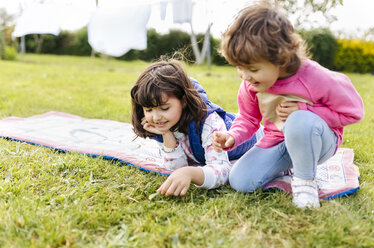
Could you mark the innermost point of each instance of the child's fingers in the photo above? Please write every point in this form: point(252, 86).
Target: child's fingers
point(217, 146)
point(164, 187)
point(229, 141)
point(147, 126)
point(282, 112)
point(216, 136)
point(281, 109)
point(222, 140)
point(283, 116)
point(289, 104)
point(219, 138)
point(161, 190)
point(151, 128)
point(278, 109)
point(216, 141)
point(143, 122)
point(178, 190)
point(172, 188)
point(184, 190)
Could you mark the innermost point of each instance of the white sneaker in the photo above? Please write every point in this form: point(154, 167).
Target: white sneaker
point(305, 193)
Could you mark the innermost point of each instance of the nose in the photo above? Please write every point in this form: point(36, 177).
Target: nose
point(156, 116)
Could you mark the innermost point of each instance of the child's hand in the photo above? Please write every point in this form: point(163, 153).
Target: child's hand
point(222, 140)
point(177, 183)
point(151, 128)
point(284, 109)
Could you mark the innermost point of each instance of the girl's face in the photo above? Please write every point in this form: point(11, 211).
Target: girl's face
point(165, 116)
point(261, 75)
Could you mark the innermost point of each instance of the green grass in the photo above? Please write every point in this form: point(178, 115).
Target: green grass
point(54, 199)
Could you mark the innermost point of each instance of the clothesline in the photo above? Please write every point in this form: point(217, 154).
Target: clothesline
point(112, 29)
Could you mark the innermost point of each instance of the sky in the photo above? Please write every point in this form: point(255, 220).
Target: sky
point(353, 18)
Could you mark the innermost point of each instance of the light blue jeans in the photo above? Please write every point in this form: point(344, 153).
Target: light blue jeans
point(308, 141)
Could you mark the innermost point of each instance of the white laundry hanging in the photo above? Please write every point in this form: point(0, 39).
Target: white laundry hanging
point(163, 5)
point(38, 19)
point(182, 11)
point(114, 31)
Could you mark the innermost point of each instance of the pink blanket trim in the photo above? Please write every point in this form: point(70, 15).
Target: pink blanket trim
point(115, 140)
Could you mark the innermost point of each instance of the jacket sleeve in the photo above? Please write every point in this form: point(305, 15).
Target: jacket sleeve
point(217, 165)
point(336, 101)
point(247, 122)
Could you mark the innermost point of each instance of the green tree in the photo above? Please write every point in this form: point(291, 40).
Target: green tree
point(302, 9)
point(5, 21)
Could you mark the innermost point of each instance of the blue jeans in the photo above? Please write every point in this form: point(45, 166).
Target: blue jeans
point(308, 141)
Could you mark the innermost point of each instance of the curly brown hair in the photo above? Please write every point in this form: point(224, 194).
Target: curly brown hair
point(262, 33)
point(165, 77)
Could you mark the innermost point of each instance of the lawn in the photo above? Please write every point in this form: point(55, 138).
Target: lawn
point(54, 199)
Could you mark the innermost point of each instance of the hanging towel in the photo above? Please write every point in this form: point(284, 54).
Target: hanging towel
point(38, 19)
point(163, 5)
point(182, 11)
point(114, 31)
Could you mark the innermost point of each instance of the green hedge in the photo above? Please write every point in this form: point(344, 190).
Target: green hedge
point(158, 45)
point(10, 53)
point(341, 55)
point(68, 43)
point(176, 41)
point(355, 56)
point(322, 46)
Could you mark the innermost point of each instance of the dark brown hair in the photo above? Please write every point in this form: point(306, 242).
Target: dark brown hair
point(262, 33)
point(165, 77)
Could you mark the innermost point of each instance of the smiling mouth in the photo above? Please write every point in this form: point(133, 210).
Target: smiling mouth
point(256, 83)
point(161, 124)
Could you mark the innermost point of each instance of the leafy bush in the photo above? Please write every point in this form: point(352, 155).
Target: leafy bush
point(81, 46)
point(10, 53)
point(355, 56)
point(217, 58)
point(159, 45)
point(322, 45)
point(176, 41)
point(30, 43)
point(49, 44)
point(70, 43)
point(351, 56)
point(64, 43)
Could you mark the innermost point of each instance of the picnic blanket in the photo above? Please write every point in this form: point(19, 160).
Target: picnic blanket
point(116, 140)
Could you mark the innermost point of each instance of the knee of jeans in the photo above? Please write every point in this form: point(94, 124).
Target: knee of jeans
point(238, 183)
point(301, 122)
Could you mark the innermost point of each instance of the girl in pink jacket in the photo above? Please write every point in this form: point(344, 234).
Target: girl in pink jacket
point(304, 106)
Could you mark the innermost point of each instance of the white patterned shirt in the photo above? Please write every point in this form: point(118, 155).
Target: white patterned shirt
point(217, 167)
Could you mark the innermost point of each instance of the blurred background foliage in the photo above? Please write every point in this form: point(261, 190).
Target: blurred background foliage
point(350, 55)
point(336, 54)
